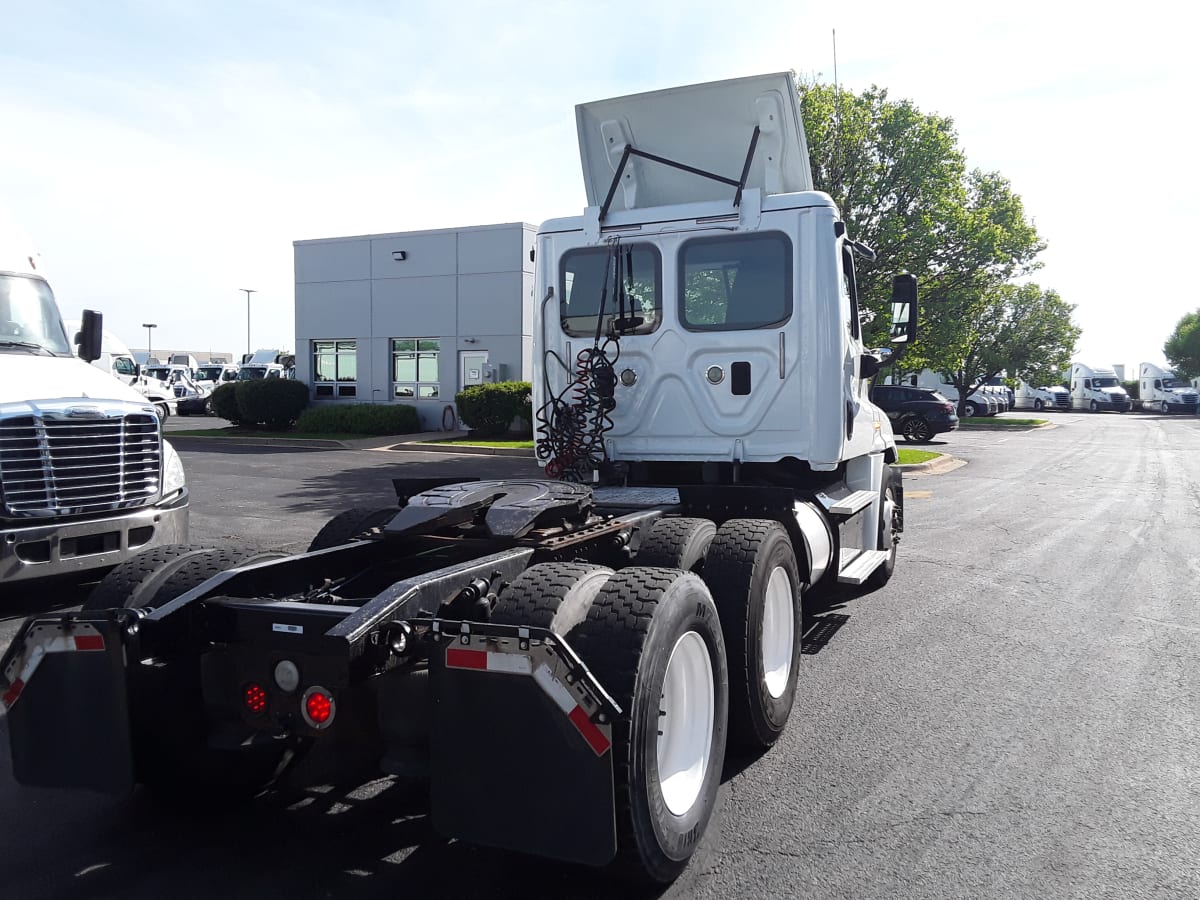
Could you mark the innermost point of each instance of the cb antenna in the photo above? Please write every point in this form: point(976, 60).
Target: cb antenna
point(837, 105)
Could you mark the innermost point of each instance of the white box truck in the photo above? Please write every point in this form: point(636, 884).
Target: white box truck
point(1164, 391)
point(1097, 388)
point(86, 479)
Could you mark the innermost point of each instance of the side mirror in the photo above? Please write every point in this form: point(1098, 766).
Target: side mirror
point(137, 370)
point(91, 333)
point(904, 309)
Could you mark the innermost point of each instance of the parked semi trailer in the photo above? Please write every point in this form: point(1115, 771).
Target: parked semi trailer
point(566, 658)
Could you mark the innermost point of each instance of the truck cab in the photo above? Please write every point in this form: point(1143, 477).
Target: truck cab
point(86, 479)
point(1097, 389)
point(1163, 391)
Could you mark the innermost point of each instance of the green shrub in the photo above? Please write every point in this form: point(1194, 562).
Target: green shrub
point(224, 401)
point(489, 409)
point(359, 418)
point(1133, 389)
point(272, 403)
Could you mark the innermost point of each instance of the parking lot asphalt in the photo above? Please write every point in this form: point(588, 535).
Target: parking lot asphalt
point(1014, 715)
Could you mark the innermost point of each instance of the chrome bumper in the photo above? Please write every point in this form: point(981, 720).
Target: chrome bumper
point(78, 546)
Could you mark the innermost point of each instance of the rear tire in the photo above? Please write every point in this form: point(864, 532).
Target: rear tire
point(676, 543)
point(173, 758)
point(551, 595)
point(125, 586)
point(349, 526)
point(916, 430)
point(653, 639)
point(970, 410)
point(752, 572)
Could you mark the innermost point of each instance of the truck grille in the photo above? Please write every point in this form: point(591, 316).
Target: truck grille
point(54, 464)
point(1062, 401)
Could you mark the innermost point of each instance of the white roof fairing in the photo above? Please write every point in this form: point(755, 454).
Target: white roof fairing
point(705, 126)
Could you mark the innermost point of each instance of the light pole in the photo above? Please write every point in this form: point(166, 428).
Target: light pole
point(248, 291)
point(149, 352)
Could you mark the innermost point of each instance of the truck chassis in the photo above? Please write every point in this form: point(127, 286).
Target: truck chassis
point(507, 640)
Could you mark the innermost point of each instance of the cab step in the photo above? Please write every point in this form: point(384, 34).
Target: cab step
point(846, 504)
point(857, 565)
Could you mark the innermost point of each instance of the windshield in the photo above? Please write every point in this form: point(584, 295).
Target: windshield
point(162, 373)
point(1176, 383)
point(1105, 382)
point(209, 373)
point(29, 316)
point(247, 374)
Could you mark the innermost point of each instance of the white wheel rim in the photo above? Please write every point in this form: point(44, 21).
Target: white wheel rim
point(685, 723)
point(889, 515)
point(778, 632)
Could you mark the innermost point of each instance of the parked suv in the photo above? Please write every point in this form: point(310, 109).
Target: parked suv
point(916, 413)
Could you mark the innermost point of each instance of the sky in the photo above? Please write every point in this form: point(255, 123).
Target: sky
point(165, 154)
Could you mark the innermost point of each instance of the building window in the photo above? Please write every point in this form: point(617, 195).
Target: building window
point(415, 368)
point(335, 368)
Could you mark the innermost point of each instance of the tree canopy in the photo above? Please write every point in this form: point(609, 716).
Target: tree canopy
point(902, 184)
point(1182, 348)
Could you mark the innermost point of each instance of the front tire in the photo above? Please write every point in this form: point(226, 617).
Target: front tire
point(891, 523)
point(1092, 407)
point(752, 572)
point(1038, 405)
point(970, 410)
point(653, 639)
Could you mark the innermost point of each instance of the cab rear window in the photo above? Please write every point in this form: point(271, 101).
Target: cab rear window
point(626, 282)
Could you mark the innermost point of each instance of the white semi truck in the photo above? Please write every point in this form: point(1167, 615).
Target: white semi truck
point(1097, 389)
point(86, 479)
point(711, 457)
point(1041, 398)
point(1163, 391)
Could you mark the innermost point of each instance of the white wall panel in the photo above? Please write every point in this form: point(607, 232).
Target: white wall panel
point(488, 250)
point(333, 261)
point(333, 309)
point(414, 307)
point(425, 254)
point(489, 304)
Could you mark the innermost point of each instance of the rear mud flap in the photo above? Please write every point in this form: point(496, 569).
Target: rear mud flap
point(521, 748)
point(63, 685)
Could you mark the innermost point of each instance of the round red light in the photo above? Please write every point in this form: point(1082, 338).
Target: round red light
point(255, 698)
point(319, 707)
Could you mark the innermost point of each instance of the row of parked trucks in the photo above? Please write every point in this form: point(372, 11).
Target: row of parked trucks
point(1091, 389)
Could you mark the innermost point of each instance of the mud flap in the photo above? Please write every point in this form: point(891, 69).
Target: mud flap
point(521, 745)
point(68, 713)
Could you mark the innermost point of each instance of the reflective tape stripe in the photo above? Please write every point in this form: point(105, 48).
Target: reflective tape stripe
point(565, 701)
point(89, 642)
point(554, 688)
point(488, 661)
point(591, 733)
point(13, 692)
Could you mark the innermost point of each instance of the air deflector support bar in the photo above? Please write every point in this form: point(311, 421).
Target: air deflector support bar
point(630, 150)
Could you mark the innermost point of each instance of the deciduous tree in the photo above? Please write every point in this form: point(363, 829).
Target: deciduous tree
point(1182, 348)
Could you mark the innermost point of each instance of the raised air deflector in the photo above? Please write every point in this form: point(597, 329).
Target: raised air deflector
point(704, 126)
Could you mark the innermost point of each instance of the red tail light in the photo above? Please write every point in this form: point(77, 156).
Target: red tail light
point(318, 707)
point(948, 407)
point(255, 698)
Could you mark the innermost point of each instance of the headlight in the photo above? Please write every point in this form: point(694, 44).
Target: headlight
point(174, 480)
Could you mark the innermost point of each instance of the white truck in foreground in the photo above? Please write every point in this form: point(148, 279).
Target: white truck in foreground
point(86, 479)
point(1161, 390)
point(564, 658)
point(1097, 389)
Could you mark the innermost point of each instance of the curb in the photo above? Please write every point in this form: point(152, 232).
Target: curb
point(199, 441)
point(435, 447)
point(1015, 429)
point(939, 466)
